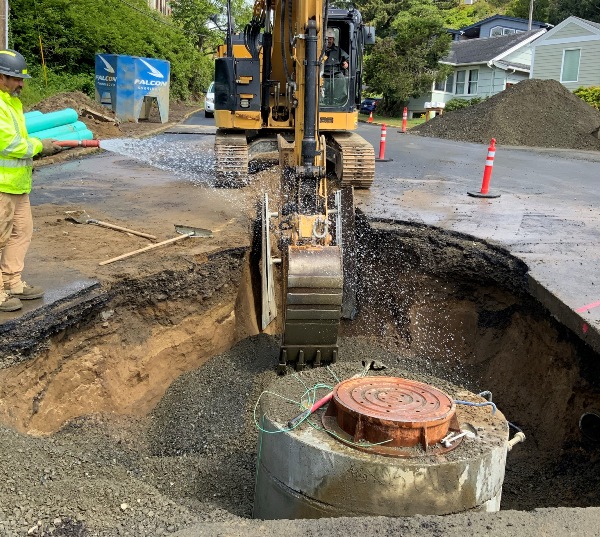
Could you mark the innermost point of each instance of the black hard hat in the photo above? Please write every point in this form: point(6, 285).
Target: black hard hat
point(13, 64)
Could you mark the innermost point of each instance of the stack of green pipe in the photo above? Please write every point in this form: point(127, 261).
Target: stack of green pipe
point(59, 125)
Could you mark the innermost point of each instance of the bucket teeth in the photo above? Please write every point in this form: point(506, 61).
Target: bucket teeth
point(313, 306)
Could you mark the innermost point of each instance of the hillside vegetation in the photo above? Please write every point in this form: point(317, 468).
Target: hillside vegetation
point(60, 38)
point(71, 33)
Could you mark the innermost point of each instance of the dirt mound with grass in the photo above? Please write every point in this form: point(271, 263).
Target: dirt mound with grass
point(103, 122)
point(99, 119)
point(535, 113)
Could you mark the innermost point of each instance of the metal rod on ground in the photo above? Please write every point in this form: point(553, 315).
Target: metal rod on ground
point(487, 174)
point(124, 229)
point(81, 218)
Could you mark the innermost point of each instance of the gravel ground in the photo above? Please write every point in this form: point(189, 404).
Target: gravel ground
point(191, 461)
point(189, 467)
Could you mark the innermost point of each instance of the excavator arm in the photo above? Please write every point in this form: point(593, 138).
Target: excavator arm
point(269, 94)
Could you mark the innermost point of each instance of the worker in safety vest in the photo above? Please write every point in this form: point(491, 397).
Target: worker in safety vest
point(17, 149)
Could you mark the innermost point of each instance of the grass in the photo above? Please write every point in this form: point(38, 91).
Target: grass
point(41, 85)
point(392, 121)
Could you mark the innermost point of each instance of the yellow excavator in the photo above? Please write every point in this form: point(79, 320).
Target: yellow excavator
point(290, 85)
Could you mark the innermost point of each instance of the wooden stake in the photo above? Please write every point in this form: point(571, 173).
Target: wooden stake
point(151, 247)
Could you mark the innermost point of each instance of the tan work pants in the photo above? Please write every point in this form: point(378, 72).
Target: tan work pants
point(16, 229)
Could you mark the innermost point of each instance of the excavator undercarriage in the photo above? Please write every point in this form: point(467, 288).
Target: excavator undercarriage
point(349, 156)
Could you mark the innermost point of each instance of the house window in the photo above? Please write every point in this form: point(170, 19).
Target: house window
point(466, 82)
point(460, 82)
point(570, 65)
point(500, 30)
point(473, 78)
point(445, 85)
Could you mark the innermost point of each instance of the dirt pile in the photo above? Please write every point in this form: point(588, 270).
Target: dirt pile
point(86, 108)
point(102, 120)
point(535, 113)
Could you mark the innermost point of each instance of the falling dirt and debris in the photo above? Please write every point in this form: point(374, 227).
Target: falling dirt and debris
point(533, 113)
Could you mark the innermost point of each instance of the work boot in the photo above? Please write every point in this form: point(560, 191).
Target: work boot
point(24, 291)
point(9, 303)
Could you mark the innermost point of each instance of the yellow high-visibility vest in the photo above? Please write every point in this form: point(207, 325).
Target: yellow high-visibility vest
point(17, 148)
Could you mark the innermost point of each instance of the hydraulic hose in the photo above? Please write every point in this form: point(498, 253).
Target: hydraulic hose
point(470, 403)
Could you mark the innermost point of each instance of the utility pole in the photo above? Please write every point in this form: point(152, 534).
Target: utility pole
point(3, 24)
point(530, 14)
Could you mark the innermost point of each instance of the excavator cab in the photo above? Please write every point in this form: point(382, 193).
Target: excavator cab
point(336, 70)
point(341, 90)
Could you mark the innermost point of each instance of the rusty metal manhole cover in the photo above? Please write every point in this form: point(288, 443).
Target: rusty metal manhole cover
point(391, 415)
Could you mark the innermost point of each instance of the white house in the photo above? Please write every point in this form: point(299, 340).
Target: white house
point(481, 68)
point(569, 53)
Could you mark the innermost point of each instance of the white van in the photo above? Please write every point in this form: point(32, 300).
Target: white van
point(209, 101)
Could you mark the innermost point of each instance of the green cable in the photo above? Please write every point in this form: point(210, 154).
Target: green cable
point(333, 374)
point(307, 400)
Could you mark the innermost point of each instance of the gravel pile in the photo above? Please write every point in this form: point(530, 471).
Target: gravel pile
point(192, 461)
point(535, 113)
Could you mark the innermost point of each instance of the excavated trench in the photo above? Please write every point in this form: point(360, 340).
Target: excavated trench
point(143, 409)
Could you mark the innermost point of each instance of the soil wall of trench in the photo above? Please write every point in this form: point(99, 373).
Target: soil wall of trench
point(154, 386)
point(121, 356)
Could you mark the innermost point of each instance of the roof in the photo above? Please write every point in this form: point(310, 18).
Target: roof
point(513, 65)
point(548, 38)
point(483, 50)
point(594, 24)
point(505, 18)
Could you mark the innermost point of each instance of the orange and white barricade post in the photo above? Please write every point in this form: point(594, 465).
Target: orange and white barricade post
point(404, 119)
point(382, 146)
point(487, 174)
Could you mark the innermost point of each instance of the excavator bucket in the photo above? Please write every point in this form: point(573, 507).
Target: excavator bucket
point(313, 306)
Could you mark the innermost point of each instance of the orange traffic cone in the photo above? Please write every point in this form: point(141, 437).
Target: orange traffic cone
point(370, 117)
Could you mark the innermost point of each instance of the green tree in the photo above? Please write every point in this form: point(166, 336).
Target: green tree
point(586, 9)
point(381, 13)
point(447, 4)
point(520, 8)
point(73, 32)
point(406, 63)
point(465, 15)
point(193, 17)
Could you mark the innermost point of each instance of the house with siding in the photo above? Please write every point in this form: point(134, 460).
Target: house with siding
point(569, 53)
point(481, 68)
point(495, 26)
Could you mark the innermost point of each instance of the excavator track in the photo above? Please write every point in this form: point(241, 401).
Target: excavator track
point(354, 159)
point(231, 159)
